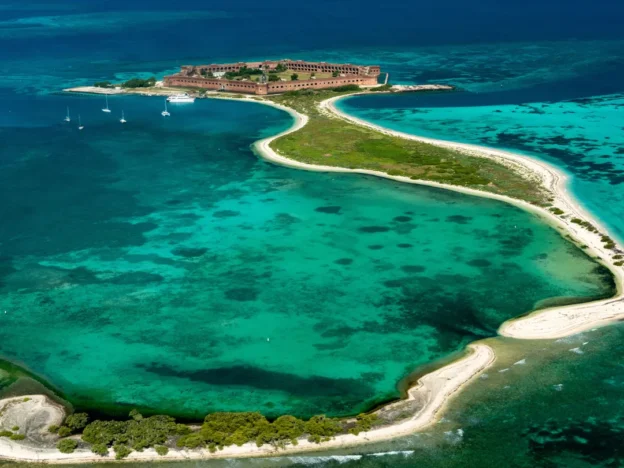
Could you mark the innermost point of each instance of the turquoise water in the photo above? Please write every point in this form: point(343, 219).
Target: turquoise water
point(540, 405)
point(160, 264)
point(583, 136)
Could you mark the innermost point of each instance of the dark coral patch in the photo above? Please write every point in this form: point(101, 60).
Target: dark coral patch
point(479, 263)
point(344, 261)
point(402, 219)
point(189, 252)
point(329, 209)
point(413, 268)
point(404, 246)
point(241, 294)
point(225, 214)
point(375, 247)
point(373, 229)
point(459, 219)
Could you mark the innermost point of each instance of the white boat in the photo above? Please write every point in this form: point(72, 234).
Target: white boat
point(80, 126)
point(123, 119)
point(106, 109)
point(165, 113)
point(67, 119)
point(177, 98)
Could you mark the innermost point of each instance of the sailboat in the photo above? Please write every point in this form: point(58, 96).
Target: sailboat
point(123, 119)
point(165, 113)
point(106, 109)
point(67, 119)
point(80, 126)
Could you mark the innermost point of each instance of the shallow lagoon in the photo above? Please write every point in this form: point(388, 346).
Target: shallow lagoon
point(583, 136)
point(160, 264)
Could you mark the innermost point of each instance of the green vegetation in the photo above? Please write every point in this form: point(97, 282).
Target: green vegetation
point(347, 88)
point(335, 74)
point(273, 77)
point(139, 83)
point(121, 451)
point(329, 140)
point(138, 433)
point(280, 68)
point(76, 421)
point(363, 423)
point(17, 437)
point(15, 428)
point(67, 445)
point(244, 72)
point(590, 227)
point(608, 242)
point(100, 449)
point(376, 89)
point(620, 263)
point(556, 211)
point(222, 429)
point(26, 399)
point(103, 84)
point(617, 257)
point(161, 450)
point(294, 77)
point(6, 433)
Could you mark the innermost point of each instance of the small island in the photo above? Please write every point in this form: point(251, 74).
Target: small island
point(323, 138)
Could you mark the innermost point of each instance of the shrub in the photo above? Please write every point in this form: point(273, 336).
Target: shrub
point(6, 433)
point(321, 428)
point(620, 263)
point(64, 431)
point(294, 77)
point(100, 449)
point(191, 441)
point(67, 446)
point(617, 257)
point(17, 437)
point(15, 428)
point(273, 77)
point(139, 83)
point(363, 423)
point(161, 450)
point(134, 414)
point(121, 451)
point(53, 429)
point(335, 73)
point(104, 432)
point(385, 87)
point(556, 211)
point(77, 421)
point(345, 88)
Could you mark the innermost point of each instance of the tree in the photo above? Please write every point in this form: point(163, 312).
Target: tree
point(121, 451)
point(161, 450)
point(76, 421)
point(273, 77)
point(100, 449)
point(67, 446)
point(313, 75)
point(335, 73)
point(294, 77)
point(280, 68)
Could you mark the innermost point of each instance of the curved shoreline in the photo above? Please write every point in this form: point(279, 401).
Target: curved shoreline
point(436, 388)
point(549, 323)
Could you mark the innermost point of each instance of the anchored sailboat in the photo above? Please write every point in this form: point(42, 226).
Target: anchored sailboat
point(165, 113)
point(106, 109)
point(80, 126)
point(67, 119)
point(123, 119)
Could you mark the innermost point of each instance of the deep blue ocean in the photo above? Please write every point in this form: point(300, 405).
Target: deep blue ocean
point(545, 78)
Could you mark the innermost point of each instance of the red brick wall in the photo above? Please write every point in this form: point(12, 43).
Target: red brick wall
point(272, 87)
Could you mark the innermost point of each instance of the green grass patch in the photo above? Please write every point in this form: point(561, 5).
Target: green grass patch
point(328, 140)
